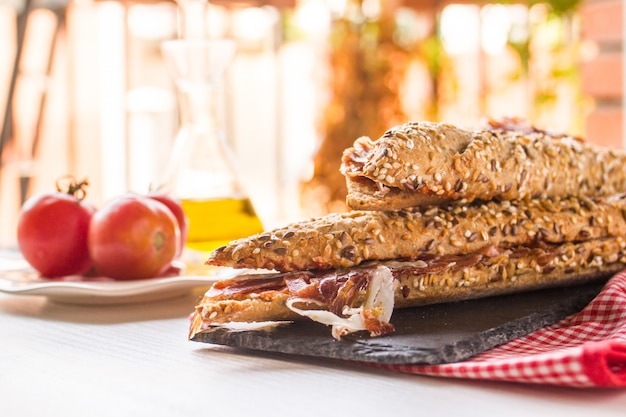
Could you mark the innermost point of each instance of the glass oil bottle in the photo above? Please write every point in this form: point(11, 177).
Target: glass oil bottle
point(201, 171)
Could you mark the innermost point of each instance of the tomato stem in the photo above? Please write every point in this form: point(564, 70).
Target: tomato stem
point(69, 185)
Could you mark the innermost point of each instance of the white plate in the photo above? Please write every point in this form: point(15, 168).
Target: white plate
point(17, 277)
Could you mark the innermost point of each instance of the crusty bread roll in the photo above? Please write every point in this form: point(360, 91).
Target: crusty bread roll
point(423, 163)
point(342, 240)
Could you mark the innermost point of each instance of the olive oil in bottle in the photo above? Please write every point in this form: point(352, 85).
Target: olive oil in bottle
point(215, 222)
point(202, 170)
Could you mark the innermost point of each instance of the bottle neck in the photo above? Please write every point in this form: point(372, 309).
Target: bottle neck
point(192, 16)
point(197, 106)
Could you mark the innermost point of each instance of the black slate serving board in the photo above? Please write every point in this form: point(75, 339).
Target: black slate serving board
point(434, 334)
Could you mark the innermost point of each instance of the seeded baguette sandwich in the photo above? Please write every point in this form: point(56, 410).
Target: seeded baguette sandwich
point(351, 270)
point(362, 298)
point(422, 163)
point(343, 240)
point(439, 214)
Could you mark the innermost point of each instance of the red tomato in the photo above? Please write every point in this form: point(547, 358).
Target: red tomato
point(176, 208)
point(52, 234)
point(133, 237)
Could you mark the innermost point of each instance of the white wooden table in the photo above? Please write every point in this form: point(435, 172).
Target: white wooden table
point(135, 360)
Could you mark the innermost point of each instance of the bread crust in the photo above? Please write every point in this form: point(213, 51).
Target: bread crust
point(437, 280)
point(342, 240)
point(422, 163)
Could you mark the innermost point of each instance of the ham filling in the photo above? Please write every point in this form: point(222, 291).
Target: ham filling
point(349, 301)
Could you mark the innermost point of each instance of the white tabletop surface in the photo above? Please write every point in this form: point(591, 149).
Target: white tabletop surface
point(135, 360)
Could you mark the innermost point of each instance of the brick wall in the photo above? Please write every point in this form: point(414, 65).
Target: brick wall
point(602, 74)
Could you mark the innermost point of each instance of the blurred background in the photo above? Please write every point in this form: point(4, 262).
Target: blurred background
point(84, 89)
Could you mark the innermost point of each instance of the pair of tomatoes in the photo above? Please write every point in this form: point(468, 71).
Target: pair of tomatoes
point(130, 237)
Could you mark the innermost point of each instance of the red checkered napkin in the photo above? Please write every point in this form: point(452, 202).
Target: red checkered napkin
point(587, 349)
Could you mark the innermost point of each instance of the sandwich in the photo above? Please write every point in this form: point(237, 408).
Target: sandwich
point(422, 163)
point(416, 245)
